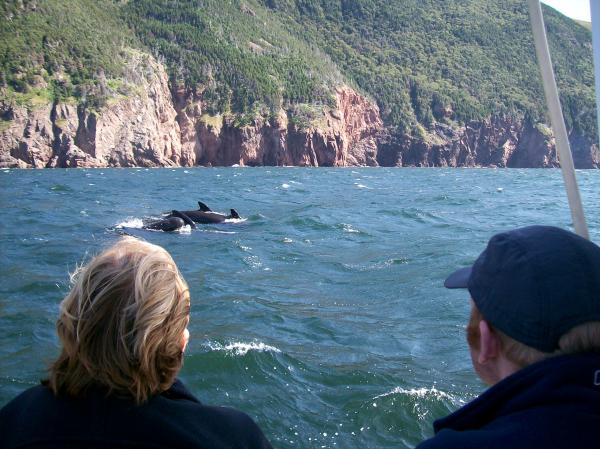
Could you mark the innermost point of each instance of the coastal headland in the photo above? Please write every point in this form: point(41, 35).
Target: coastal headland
point(141, 84)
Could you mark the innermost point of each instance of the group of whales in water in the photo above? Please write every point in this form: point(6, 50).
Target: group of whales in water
point(179, 218)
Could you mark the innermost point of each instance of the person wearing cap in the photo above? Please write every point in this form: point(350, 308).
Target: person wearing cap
point(534, 337)
point(123, 332)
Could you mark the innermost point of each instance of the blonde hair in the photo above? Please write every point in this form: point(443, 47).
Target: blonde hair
point(121, 326)
point(582, 338)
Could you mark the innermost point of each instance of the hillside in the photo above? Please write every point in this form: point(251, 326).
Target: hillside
point(304, 82)
point(585, 24)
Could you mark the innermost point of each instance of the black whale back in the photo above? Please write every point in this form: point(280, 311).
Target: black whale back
point(205, 217)
point(168, 224)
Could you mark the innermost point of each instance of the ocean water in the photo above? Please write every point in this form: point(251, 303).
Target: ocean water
point(321, 313)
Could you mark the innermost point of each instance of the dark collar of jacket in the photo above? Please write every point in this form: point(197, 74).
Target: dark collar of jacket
point(570, 380)
point(175, 418)
point(179, 391)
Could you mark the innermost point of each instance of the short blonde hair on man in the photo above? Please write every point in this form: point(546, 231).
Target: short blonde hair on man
point(121, 326)
point(582, 338)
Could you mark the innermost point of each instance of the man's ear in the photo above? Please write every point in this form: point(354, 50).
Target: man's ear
point(489, 343)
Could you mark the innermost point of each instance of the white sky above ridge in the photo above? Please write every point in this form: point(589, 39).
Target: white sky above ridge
point(575, 9)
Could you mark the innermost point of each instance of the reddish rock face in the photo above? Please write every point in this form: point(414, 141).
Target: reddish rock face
point(27, 141)
point(138, 130)
point(156, 126)
point(494, 142)
point(345, 135)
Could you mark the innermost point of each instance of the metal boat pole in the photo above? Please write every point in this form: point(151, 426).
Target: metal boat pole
point(595, 10)
point(556, 118)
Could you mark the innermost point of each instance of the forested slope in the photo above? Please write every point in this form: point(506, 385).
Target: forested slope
point(432, 69)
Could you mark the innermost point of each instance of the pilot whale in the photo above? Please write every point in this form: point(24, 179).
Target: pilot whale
point(176, 220)
point(205, 215)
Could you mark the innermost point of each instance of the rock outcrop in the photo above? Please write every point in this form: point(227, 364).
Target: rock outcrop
point(494, 142)
point(28, 137)
point(343, 135)
point(138, 129)
point(153, 125)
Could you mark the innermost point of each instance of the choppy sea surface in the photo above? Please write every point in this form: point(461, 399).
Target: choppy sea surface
point(321, 313)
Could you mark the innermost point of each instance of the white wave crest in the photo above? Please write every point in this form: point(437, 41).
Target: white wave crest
point(234, 220)
point(130, 223)
point(419, 393)
point(186, 229)
point(241, 348)
point(348, 228)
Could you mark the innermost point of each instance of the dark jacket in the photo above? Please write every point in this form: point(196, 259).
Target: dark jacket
point(173, 419)
point(552, 404)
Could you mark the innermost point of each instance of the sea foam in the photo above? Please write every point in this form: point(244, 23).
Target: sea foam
point(241, 348)
point(235, 220)
point(130, 223)
point(421, 393)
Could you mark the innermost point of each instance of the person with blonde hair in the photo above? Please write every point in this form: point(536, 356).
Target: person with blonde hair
point(123, 331)
point(534, 336)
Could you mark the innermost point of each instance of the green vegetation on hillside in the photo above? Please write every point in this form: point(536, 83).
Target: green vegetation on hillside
point(583, 23)
point(418, 56)
point(237, 55)
point(56, 49)
point(423, 61)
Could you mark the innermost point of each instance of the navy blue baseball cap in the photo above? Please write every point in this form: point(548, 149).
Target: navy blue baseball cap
point(535, 284)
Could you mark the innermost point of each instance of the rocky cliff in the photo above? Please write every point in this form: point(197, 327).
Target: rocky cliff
point(153, 125)
point(499, 141)
point(343, 135)
point(138, 129)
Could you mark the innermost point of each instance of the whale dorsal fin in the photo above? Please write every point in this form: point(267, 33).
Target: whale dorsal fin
point(234, 214)
point(184, 217)
point(203, 207)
